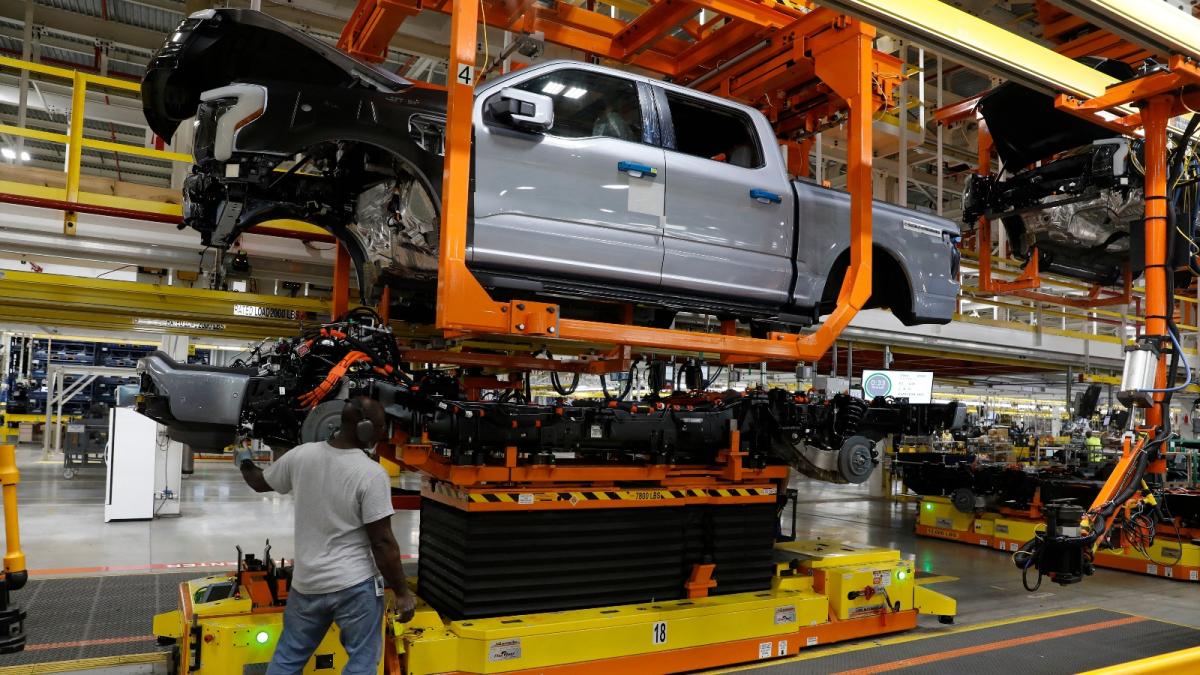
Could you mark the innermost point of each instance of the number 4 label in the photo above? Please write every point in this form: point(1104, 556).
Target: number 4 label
point(466, 74)
point(660, 633)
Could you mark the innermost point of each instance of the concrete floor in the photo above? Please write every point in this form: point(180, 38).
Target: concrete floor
point(63, 527)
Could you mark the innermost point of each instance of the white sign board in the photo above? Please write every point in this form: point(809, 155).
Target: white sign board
point(914, 385)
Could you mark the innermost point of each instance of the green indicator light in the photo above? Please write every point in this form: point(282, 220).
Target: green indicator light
point(262, 637)
point(928, 506)
point(901, 575)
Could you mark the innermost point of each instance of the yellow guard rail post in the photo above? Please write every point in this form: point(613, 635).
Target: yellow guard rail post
point(12, 618)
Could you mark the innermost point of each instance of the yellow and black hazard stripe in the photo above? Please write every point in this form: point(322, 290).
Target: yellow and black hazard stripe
point(648, 494)
point(740, 492)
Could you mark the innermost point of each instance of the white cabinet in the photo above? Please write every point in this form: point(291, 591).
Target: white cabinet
point(129, 488)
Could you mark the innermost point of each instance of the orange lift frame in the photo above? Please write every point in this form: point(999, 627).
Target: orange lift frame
point(833, 49)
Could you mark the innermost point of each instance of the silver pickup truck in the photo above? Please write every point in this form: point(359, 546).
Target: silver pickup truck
point(588, 183)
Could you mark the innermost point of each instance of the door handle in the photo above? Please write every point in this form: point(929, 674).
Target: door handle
point(765, 196)
point(637, 170)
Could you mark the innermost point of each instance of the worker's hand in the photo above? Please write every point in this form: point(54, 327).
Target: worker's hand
point(242, 455)
point(406, 605)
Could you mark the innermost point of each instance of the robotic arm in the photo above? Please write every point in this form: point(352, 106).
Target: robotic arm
point(1064, 551)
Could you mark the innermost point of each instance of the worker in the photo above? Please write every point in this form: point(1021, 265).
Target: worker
point(344, 543)
point(1094, 447)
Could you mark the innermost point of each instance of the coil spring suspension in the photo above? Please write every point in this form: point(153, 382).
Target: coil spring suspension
point(850, 414)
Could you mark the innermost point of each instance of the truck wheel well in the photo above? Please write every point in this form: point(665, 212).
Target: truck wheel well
point(885, 291)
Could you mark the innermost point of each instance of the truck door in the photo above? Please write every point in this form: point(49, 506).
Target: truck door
point(729, 226)
point(583, 199)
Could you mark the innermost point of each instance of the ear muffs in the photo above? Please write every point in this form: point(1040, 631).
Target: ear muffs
point(364, 431)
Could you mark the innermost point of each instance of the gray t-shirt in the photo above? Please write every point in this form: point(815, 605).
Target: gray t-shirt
point(337, 493)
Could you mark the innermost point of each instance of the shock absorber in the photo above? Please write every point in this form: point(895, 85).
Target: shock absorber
point(850, 414)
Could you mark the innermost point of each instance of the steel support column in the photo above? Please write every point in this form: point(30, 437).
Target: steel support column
point(74, 150)
point(1155, 116)
point(340, 302)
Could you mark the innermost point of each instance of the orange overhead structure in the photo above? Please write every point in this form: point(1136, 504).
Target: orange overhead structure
point(372, 26)
point(1177, 84)
point(753, 51)
point(1075, 37)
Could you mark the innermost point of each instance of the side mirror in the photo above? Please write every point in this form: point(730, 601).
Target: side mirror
point(523, 110)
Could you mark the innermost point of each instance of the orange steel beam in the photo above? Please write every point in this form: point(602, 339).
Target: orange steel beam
point(340, 303)
point(1093, 300)
point(773, 71)
point(983, 238)
point(1076, 37)
point(1103, 43)
point(645, 41)
point(768, 13)
point(372, 26)
point(662, 17)
point(842, 57)
point(965, 109)
point(1156, 114)
point(579, 28)
point(734, 37)
point(844, 63)
point(1178, 84)
point(1067, 25)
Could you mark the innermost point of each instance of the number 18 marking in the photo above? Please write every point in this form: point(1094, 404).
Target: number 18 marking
point(660, 633)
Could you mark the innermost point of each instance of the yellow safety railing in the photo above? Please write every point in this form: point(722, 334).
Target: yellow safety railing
point(71, 194)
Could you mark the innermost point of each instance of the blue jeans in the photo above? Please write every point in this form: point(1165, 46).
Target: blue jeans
point(359, 616)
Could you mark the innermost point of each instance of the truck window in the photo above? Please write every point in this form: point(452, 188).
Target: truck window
point(588, 104)
point(704, 130)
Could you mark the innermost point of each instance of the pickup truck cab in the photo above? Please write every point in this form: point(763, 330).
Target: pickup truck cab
point(588, 182)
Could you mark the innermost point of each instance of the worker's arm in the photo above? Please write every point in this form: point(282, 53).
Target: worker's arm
point(387, 559)
point(254, 476)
